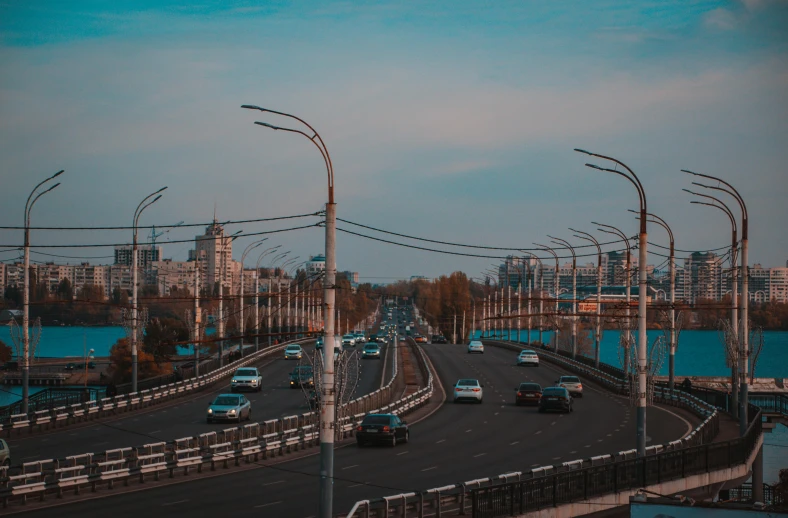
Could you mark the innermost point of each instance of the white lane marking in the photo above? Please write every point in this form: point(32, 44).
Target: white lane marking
point(174, 503)
point(538, 432)
point(534, 465)
point(355, 485)
point(572, 452)
point(599, 440)
point(155, 431)
point(272, 483)
point(556, 458)
point(513, 443)
point(442, 440)
point(689, 426)
point(496, 413)
point(352, 466)
point(479, 455)
point(553, 423)
point(587, 446)
point(402, 453)
point(266, 505)
point(428, 469)
point(32, 457)
point(468, 430)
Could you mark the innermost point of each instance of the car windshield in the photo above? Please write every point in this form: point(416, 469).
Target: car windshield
point(527, 353)
point(370, 347)
point(376, 419)
point(303, 369)
point(530, 386)
point(569, 379)
point(554, 392)
point(226, 401)
point(468, 383)
point(246, 372)
point(293, 347)
point(348, 336)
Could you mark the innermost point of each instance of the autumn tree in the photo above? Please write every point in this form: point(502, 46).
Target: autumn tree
point(161, 337)
point(5, 352)
point(65, 291)
point(120, 363)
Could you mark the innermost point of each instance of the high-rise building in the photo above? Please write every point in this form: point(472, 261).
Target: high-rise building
point(703, 275)
point(146, 254)
point(214, 250)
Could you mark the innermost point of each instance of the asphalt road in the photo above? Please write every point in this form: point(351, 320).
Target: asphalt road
point(459, 442)
point(184, 418)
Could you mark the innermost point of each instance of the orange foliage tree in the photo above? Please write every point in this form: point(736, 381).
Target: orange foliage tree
point(120, 363)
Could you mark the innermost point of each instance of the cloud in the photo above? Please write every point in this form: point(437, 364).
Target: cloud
point(721, 18)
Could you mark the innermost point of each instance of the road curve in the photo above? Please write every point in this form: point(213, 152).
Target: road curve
point(459, 442)
point(184, 417)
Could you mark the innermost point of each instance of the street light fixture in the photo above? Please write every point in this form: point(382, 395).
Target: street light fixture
point(555, 288)
point(744, 296)
point(26, 294)
point(221, 329)
point(566, 244)
point(264, 253)
point(642, 290)
point(541, 298)
point(144, 204)
point(248, 249)
point(598, 334)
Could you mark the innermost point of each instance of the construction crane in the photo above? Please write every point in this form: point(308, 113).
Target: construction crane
point(155, 235)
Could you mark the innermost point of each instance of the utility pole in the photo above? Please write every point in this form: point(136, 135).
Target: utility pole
point(463, 325)
point(574, 292)
point(528, 291)
point(26, 294)
point(454, 336)
point(598, 333)
point(197, 315)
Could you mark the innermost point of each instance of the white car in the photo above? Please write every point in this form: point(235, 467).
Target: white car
point(293, 352)
point(468, 390)
point(572, 384)
point(246, 378)
point(528, 358)
point(349, 340)
point(475, 347)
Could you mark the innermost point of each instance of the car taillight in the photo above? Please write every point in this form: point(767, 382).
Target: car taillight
point(386, 429)
point(579, 385)
point(457, 389)
point(359, 429)
point(477, 390)
point(519, 393)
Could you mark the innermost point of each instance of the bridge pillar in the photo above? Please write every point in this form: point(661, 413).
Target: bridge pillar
point(757, 477)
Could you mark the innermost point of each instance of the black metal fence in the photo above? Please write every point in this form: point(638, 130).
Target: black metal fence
point(583, 484)
point(50, 398)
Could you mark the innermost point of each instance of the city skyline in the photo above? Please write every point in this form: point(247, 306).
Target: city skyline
point(455, 126)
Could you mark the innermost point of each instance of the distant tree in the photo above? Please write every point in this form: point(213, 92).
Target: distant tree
point(64, 290)
point(120, 363)
point(91, 293)
point(120, 297)
point(150, 290)
point(161, 335)
point(13, 295)
point(5, 352)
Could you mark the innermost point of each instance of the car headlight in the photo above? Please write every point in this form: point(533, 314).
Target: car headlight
point(231, 412)
point(254, 382)
point(235, 381)
point(210, 410)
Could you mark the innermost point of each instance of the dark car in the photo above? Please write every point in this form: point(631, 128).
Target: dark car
point(69, 366)
point(528, 394)
point(382, 429)
point(302, 376)
point(555, 398)
point(439, 339)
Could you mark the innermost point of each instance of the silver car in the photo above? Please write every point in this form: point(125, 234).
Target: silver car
point(572, 384)
point(475, 347)
point(246, 378)
point(5, 453)
point(468, 390)
point(229, 407)
point(293, 352)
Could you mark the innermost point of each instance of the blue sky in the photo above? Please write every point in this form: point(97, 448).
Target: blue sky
point(449, 120)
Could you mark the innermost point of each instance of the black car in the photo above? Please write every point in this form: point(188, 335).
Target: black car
point(382, 429)
point(302, 376)
point(555, 398)
point(439, 339)
point(528, 394)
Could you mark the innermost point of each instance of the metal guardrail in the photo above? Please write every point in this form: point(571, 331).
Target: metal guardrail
point(515, 493)
point(47, 399)
point(67, 413)
point(232, 446)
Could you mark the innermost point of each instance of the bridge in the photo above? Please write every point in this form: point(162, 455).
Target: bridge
point(493, 459)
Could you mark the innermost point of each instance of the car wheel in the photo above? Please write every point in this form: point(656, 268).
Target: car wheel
point(393, 441)
point(541, 410)
point(209, 420)
point(7, 462)
point(407, 437)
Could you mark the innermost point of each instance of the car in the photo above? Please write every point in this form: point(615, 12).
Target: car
point(555, 398)
point(70, 367)
point(439, 339)
point(468, 390)
point(572, 384)
point(382, 428)
point(91, 365)
point(302, 376)
point(5, 453)
point(528, 357)
point(293, 352)
point(349, 340)
point(476, 346)
point(419, 339)
point(229, 407)
point(319, 343)
point(246, 378)
point(528, 394)
point(374, 339)
point(371, 350)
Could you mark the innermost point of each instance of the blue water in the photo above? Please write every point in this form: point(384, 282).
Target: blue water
point(699, 353)
point(72, 341)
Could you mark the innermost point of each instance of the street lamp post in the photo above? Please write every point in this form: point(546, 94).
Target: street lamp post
point(220, 330)
point(598, 333)
point(26, 294)
point(744, 331)
point(642, 289)
point(134, 310)
point(574, 291)
point(541, 298)
point(555, 290)
point(248, 249)
point(328, 391)
point(718, 204)
point(257, 295)
point(628, 280)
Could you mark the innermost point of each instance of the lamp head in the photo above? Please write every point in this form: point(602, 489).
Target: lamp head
point(267, 125)
point(57, 174)
point(583, 151)
point(251, 107)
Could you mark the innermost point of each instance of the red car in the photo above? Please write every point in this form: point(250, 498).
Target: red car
point(420, 339)
point(528, 394)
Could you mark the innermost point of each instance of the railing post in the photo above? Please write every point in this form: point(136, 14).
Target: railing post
point(511, 499)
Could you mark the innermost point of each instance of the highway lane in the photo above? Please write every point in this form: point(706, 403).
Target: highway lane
point(459, 442)
point(186, 417)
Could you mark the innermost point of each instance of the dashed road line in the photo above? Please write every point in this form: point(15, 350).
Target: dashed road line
point(430, 469)
point(268, 504)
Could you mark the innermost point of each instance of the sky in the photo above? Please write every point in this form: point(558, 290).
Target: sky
point(452, 121)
